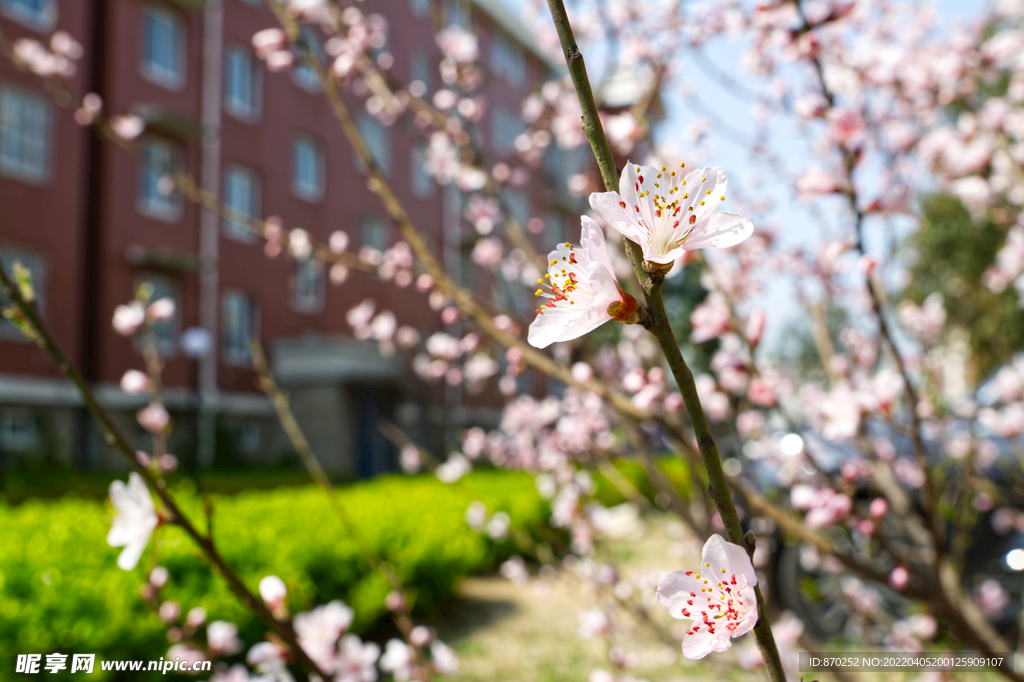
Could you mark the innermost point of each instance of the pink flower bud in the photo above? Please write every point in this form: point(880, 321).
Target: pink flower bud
point(153, 418)
point(899, 578)
point(395, 601)
point(196, 617)
point(159, 576)
point(273, 591)
point(170, 611)
point(879, 507)
point(128, 318)
point(161, 310)
point(135, 382)
point(420, 636)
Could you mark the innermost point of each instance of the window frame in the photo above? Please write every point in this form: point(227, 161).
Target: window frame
point(255, 201)
point(317, 193)
point(508, 60)
point(47, 134)
point(254, 111)
point(421, 183)
point(378, 140)
point(43, 23)
point(378, 226)
point(171, 213)
point(165, 347)
point(172, 80)
point(315, 303)
point(229, 355)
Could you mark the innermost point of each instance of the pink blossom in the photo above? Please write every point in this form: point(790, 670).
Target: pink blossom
point(458, 44)
point(273, 591)
point(135, 382)
point(318, 631)
point(154, 418)
point(444, 658)
point(161, 310)
point(991, 597)
point(128, 318)
point(186, 654)
point(718, 598)
point(582, 291)
point(170, 612)
point(398, 659)
point(760, 393)
point(134, 520)
point(680, 217)
point(487, 252)
point(816, 181)
point(710, 319)
point(899, 578)
point(127, 127)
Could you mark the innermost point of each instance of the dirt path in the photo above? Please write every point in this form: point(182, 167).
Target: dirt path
point(528, 633)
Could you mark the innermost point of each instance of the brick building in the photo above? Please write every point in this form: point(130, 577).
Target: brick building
point(91, 223)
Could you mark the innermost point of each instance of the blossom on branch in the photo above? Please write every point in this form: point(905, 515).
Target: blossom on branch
point(135, 518)
point(668, 214)
point(581, 289)
point(718, 598)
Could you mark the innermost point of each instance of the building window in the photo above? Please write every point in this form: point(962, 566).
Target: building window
point(303, 74)
point(240, 325)
point(423, 184)
point(158, 161)
point(163, 47)
point(419, 7)
point(39, 14)
point(241, 195)
point(241, 83)
point(422, 72)
point(517, 205)
point(19, 430)
point(307, 168)
point(505, 128)
point(508, 60)
point(165, 333)
point(374, 233)
point(378, 139)
point(458, 13)
point(309, 285)
point(34, 264)
point(24, 135)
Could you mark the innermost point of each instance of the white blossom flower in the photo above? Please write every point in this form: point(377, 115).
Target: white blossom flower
point(718, 597)
point(273, 591)
point(444, 659)
point(318, 630)
point(135, 519)
point(668, 214)
point(453, 469)
point(356, 661)
point(128, 318)
point(398, 659)
point(581, 289)
point(222, 638)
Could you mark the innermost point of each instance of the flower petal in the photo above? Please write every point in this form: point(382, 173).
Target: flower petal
point(593, 244)
point(701, 643)
point(674, 593)
point(730, 558)
point(129, 557)
point(607, 206)
point(721, 230)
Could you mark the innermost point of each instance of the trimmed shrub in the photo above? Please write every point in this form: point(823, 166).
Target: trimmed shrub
point(61, 591)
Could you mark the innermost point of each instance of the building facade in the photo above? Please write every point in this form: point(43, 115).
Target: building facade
point(93, 222)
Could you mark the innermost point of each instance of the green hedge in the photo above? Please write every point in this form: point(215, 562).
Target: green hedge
point(61, 591)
